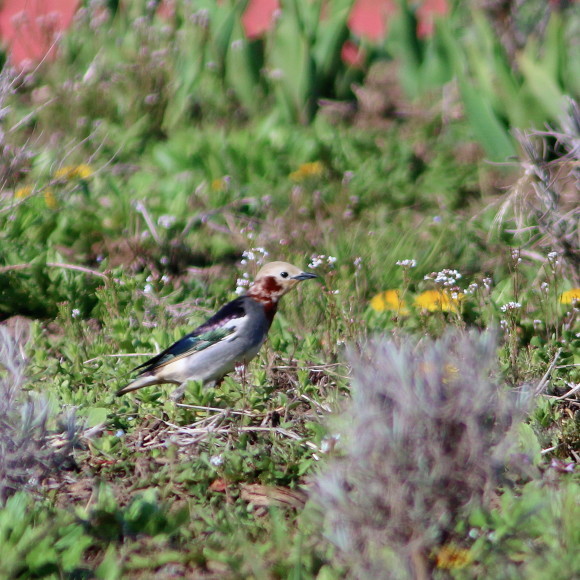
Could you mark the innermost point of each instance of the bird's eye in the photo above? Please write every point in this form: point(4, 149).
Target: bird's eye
point(284, 274)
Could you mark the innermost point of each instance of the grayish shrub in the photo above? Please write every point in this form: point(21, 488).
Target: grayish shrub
point(28, 449)
point(424, 436)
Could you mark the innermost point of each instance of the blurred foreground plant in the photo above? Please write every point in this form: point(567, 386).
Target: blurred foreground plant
point(500, 88)
point(428, 429)
point(28, 451)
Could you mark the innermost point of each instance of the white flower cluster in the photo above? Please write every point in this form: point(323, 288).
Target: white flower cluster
point(553, 258)
point(242, 283)
point(516, 255)
point(407, 263)
point(511, 306)
point(446, 277)
point(256, 255)
point(317, 261)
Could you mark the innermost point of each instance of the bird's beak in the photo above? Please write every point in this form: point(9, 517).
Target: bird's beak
point(304, 276)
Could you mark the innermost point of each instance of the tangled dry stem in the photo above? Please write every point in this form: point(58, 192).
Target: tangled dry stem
point(548, 190)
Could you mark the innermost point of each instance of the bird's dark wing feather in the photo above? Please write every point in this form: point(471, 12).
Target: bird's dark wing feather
point(208, 333)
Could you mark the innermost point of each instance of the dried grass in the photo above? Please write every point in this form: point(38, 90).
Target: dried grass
point(547, 193)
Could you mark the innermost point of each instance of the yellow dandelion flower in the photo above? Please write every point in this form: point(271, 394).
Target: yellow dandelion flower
point(450, 557)
point(23, 192)
point(308, 170)
point(50, 199)
point(570, 296)
point(389, 300)
point(220, 184)
point(69, 172)
point(438, 300)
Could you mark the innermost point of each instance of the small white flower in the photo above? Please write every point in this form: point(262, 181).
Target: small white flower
point(148, 289)
point(315, 261)
point(446, 277)
point(318, 260)
point(552, 256)
point(216, 460)
point(256, 255)
point(511, 306)
point(75, 313)
point(242, 283)
point(407, 263)
point(165, 278)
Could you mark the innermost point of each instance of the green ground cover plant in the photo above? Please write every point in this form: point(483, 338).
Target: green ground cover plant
point(414, 413)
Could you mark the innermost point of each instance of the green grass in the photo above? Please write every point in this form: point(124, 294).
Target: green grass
point(126, 260)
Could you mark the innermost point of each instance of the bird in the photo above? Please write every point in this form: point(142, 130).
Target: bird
point(233, 335)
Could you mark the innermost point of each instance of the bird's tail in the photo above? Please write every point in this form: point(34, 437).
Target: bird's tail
point(139, 383)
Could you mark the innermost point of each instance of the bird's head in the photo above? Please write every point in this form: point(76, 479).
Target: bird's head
point(276, 279)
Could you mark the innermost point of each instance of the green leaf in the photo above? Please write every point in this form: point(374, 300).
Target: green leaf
point(291, 66)
point(109, 568)
point(244, 61)
point(96, 416)
point(543, 85)
point(487, 128)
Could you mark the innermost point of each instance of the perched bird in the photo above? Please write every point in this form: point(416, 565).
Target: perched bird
point(232, 336)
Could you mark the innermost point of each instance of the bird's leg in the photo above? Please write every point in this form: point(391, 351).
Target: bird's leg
point(177, 395)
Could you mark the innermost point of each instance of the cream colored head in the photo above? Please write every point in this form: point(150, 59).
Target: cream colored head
point(276, 279)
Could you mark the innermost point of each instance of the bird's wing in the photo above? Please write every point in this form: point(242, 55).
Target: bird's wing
point(219, 327)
